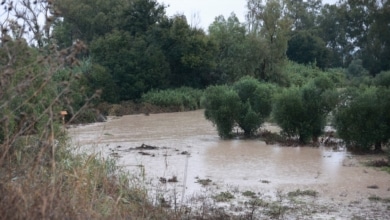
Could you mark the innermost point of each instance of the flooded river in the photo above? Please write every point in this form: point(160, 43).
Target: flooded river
point(189, 149)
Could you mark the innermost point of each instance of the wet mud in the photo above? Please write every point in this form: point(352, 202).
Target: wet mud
point(182, 151)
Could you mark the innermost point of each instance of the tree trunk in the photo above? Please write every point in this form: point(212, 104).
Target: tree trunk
point(378, 146)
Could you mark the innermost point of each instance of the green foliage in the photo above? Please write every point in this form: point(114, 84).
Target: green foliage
point(357, 29)
point(306, 48)
point(363, 117)
point(189, 52)
point(288, 110)
point(357, 75)
point(256, 105)
point(249, 194)
point(98, 78)
point(86, 19)
point(299, 74)
point(356, 69)
point(184, 98)
point(275, 33)
point(143, 49)
point(237, 53)
point(224, 197)
point(382, 79)
point(302, 111)
point(249, 120)
point(303, 14)
point(140, 16)
point(222, 107)
point(135, 64)
point(52, 181)
point(249, 106)
point(299, 192)
point(25, 95)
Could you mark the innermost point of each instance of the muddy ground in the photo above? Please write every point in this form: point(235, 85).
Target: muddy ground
point(183, 163)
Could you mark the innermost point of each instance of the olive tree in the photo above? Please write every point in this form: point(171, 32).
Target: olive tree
point(363, 117)
point(255, 105)
point(247, 103)
point(303, 111)
point(222, 106)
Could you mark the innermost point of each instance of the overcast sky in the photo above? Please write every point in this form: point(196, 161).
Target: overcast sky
point(206, 10)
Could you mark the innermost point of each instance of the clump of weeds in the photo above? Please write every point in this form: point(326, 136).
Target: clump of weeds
point(375, 198)
point(224, 197)
point(249, 194)
point(204, 182)
point(299, 192)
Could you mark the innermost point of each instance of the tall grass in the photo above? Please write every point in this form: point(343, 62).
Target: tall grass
point(183, 98)
point(79, 187)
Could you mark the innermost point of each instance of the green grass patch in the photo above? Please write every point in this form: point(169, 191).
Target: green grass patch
point(184, 98)
point(386, 169)
point(375, 198)
point(204, 182)
point(223, 197)
point(299, 192)
point(249, 194)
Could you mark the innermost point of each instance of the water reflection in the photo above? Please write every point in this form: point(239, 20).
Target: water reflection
point(236, 161)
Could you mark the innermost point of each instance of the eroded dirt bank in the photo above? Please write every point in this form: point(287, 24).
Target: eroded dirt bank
point(185, 149)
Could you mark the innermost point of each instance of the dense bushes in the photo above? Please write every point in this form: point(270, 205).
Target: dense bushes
point(299, 111)
point(303, 111)
point(360, 114)
point(255, 106)
point(299, 74)
point(247, 103)
point(363, 117)
point(221, 105)
point(184, 98)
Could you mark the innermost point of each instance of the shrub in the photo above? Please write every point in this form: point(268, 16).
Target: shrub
point(247, 103)
point(302, 111)
point(255, 105)
point(222, 107)
point(299, 192)
point(356, 69)
point(224, 197)
point(299, 74)
point(382, 79)
point(363, 117)
point(288, 111)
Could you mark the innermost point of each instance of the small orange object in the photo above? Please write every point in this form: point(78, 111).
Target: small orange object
point(63, 113)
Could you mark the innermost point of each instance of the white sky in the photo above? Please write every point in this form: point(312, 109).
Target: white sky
point(205, 11)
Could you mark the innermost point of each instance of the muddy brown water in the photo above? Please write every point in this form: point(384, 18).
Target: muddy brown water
point(190, 149)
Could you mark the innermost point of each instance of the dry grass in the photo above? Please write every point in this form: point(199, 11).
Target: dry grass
point(75, 187)
point(39, 176)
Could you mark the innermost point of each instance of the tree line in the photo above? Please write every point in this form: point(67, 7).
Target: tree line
point(135, 47)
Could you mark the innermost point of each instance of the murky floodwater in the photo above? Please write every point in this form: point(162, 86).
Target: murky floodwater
point(189, 148)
